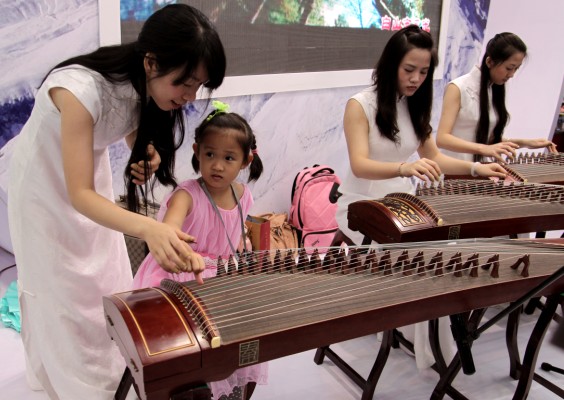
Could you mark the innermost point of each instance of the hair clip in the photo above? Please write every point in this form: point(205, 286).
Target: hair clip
point(220, 108)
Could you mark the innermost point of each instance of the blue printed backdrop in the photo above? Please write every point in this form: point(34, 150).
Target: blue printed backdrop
point(34, 36)
point(294, 129)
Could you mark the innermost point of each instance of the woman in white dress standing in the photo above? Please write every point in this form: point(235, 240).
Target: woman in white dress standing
point(65, 228)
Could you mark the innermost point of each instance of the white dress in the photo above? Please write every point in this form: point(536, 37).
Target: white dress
point(356, 189)
point(381, 149)
point(469, 113)
point(65, 261)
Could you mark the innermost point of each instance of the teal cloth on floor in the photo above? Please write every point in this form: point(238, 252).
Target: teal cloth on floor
point(10, 308)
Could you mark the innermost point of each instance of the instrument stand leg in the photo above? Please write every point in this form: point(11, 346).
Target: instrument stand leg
point(398, 338)
point(368, 385)
point(198, 393)
point(526, 369)
point(511, 342)
point(440, 364)
point(202, 392)
point(249, 389)
point(444, 386)
point(532, 305)
point(391, 339)
point(124, 385)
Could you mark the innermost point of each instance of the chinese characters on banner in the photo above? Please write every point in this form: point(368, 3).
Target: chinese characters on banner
point(395, 24)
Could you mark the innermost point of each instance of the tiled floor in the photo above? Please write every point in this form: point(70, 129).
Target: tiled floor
point(298, 377)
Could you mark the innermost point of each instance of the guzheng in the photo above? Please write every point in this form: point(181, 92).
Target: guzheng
point(460, 209)
point(536, 168)
point(182, 334)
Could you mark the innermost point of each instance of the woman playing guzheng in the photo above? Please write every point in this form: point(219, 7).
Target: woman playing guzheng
point(474, 115)
point(389, 123)
point(386, 126)
point(213, 208)
point(66, 229)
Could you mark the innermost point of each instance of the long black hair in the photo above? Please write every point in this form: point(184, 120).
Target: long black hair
point(178, 36)
point(385, 79)
point(499, 49)
point(247, 139)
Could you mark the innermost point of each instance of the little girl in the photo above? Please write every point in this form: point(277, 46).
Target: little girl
point(213, 209)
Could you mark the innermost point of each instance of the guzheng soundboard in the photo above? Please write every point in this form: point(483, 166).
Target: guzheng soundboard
point(182, 334)
point(460, 209)
point(536, 168)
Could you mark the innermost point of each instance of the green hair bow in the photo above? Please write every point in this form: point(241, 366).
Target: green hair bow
point(220, 108)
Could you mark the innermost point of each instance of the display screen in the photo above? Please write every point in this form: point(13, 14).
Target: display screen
point(291, 36)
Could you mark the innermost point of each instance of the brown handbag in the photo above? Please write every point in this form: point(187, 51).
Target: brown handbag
point(271, 231)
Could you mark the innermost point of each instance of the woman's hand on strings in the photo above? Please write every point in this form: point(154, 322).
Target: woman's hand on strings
point(423, 168)
point(138, 169)
point(490, 170)
point(499, 150)
point(540, 143)
point(169, 246)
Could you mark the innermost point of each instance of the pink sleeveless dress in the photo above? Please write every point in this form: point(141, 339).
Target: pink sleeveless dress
point(203, 223)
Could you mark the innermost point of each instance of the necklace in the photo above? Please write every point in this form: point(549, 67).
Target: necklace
point(212, 202)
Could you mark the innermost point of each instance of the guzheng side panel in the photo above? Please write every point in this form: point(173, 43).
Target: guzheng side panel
point(154, 335)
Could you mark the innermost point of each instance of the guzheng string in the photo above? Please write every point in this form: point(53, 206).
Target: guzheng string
point(537, 170)
point(508, 196)
point(231, 303)
point(537, 158)
point(540, 167)
point(487, 187)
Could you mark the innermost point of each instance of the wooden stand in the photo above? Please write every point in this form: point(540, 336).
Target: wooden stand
point(196, 393)
point(390, 339)
point(523, 371)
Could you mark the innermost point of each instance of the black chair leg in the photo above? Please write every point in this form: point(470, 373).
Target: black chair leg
point(124, 385)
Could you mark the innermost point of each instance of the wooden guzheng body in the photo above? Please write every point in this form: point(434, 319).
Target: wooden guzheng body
point(460, 209)
point(183, 334)
point(536, 168)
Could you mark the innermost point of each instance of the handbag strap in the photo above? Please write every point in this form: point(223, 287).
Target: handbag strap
point(206, 191)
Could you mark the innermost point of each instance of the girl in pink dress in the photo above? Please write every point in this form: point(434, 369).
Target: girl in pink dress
point(212, 209)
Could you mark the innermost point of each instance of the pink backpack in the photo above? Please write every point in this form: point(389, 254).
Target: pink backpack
point(314, 205)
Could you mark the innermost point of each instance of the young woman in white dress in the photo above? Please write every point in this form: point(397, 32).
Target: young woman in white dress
point(66, 230)
point(474, 114)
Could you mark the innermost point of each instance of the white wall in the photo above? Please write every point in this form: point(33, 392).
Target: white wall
point(534, 94)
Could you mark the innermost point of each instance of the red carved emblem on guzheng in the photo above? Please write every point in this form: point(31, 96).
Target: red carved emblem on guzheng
point(405, 213)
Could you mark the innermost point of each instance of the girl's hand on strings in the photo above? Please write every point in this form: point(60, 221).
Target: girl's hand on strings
point(169, 246)
point(423, 169)
point(194, 262)
point(138, 169)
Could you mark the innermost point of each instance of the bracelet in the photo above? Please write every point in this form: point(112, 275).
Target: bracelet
point(399, 170)
point(473, 169)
